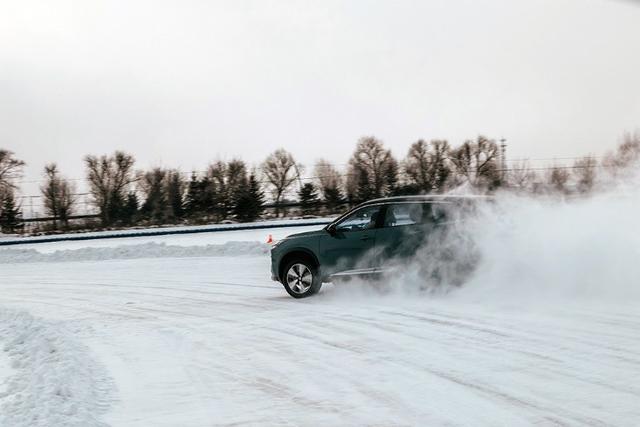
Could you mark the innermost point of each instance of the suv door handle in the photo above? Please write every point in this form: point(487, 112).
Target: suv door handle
point(365, 238)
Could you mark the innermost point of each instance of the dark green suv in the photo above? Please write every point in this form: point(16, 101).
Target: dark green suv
point(364, 241)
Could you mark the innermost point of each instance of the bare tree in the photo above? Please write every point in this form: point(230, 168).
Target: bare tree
point(152, 185)
point(330, 183)
point(58, 194)
point(584, 171)
point(229, 180)
point(427, 165)
point(627, 154)
point(216, 178)
point(520, 176)
point(373, 171)
point(109, 179)
point(476, 163)
point(281, 171)
point(10, 170)
point(558, 179)
point(327, 176)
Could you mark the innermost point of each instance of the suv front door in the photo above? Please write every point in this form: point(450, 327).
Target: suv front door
point(351, 245)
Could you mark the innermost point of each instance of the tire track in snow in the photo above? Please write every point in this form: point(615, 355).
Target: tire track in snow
point(487, 389)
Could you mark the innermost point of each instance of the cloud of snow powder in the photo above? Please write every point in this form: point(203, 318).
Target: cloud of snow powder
point(528, 248)
point(535, 248)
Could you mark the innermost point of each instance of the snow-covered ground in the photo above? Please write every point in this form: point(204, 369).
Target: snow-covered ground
point(190, 331)
point(5, 371)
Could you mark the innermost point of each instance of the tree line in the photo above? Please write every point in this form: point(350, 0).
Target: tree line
point(231, 190)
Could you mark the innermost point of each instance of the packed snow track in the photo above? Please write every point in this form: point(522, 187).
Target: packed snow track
point(202, 337)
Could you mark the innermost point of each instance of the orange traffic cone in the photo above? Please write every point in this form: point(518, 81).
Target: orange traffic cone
point(270, 239)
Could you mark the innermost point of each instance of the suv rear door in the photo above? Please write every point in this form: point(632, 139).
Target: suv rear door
point(405, 228)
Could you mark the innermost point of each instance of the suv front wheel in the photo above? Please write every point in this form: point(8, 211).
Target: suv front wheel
point(300, 279)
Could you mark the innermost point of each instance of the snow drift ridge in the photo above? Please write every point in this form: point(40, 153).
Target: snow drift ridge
point(145, 250)
point(55, 380)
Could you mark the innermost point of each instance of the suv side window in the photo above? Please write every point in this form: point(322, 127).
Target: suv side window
point(362, 219)
point(408, 214)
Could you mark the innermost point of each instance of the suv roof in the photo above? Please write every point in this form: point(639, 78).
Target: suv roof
point(425, 198)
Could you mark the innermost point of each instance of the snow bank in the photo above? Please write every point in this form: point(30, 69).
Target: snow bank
point(53, 381)
point(145, 250)
point(9, 239)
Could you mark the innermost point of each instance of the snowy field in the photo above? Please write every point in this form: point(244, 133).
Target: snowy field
point(167, 331)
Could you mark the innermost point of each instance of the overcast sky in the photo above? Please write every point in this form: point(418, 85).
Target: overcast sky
point(180, 83)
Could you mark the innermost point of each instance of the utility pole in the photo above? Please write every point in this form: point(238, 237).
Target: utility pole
point(503, 157)
point(33, 215)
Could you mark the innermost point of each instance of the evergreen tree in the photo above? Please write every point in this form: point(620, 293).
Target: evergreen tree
point(10, 216)
point(308, 196)
point(175, 196)
point(152, 184)
point(364, 191)
point(333, 199)
point(208, 197)
point(200, 200)
point(192, 200)
point(236, 183)
point(249, 205)
point(115, 207)
point(130, 209)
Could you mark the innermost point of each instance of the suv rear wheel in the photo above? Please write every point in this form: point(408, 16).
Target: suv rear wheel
point(300, 279)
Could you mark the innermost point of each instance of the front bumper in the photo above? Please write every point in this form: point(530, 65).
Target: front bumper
point(274, 266)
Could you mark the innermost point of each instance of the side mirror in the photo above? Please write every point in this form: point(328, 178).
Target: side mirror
point(331, 229)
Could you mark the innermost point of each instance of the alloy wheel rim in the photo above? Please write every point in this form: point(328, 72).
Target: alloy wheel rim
point(299, 278)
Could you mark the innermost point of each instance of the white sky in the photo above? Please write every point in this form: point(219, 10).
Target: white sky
point(181, 83)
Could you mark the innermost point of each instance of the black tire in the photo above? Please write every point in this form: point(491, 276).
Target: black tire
point(301, 286)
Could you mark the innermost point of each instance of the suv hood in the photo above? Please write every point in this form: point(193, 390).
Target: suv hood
point(304, 234)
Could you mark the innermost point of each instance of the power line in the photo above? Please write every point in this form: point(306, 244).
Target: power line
point(346, 175)
point(526, 159)
point(517, 160)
